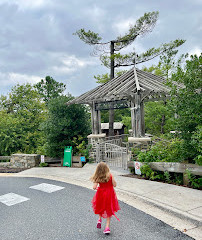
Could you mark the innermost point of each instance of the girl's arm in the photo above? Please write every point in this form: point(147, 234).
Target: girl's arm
point(113, 181)
point(95, 186)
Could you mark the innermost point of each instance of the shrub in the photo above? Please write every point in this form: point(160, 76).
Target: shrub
point(148, 172)
point(194, 181)
point(170, 151)
point(43, 164)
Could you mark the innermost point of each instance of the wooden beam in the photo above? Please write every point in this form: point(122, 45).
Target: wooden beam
point(92, 118)
point(173, 167)
point(136, 80)
point(138, 115)
point(142, 119)
point(95, 120)
point(133, 119)
point(99, 122)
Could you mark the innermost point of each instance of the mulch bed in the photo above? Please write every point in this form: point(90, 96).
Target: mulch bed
point(12, 170)
point(157, 180)
point(133, 176)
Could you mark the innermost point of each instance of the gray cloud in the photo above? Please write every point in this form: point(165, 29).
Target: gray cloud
point(36, 36)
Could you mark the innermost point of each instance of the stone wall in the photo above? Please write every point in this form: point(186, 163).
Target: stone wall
point(5, 164)
point(24, 160)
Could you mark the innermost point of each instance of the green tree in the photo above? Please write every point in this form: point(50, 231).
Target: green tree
point(113, 59)
point(187, 101)
point(159, 118)
point(64, 125)
point(49, 88)
point(143, 25)
point(105, 77)
point(21, 115)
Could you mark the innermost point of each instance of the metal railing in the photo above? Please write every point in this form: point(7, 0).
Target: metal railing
point(112, 154)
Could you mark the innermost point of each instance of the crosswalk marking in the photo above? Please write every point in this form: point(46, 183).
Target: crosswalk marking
point(10, 199)
point(45, 187)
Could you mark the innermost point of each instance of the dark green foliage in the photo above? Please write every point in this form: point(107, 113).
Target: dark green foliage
point(167, 176)
point(178, 178)
point(81, 147)
point(64, 123)
point(159, 118)
point(148, 173)
point(194, 181)
point(49, 88)
point(187, 103)
point(196, 142)
point(89, 37)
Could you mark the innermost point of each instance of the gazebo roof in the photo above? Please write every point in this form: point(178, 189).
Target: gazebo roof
point(125, 86)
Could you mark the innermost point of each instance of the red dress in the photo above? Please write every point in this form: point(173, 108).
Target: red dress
point(105, 202)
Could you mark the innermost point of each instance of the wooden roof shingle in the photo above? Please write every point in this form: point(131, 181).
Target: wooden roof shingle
point(125, 86)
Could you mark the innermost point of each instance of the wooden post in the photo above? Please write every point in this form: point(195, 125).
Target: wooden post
point(92, 117)
point(99, 122)
point(133, 119)
point(138, 115)
point(111, 111)
point(95, 120)
point(142, 119)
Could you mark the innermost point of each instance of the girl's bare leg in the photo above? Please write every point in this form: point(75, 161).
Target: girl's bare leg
point(100, 217)
point(108, 222)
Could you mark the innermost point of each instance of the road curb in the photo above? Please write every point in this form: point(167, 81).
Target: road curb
point(184, 222)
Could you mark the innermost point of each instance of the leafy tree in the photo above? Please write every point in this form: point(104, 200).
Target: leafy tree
point(49, 88)
point(64, 125)
point(187, 101)
point(142, 26)
point(112, 59)
point(105, 77)
point(167, 64)
point(21, 115)
point(159, 118)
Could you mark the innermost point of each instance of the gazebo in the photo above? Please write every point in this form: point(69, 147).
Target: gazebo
point(129, 90)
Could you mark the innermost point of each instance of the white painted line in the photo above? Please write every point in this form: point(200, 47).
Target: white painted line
point(10, 199)
point(45, 187)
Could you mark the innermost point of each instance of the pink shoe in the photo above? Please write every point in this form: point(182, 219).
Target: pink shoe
point(99, 223)
point(106, 231)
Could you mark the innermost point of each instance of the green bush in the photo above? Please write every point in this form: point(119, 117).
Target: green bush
point(170, 151)
point(148, 173)
point(178, 178)
point(43, 164)
point(167, 177)
point(194, 181)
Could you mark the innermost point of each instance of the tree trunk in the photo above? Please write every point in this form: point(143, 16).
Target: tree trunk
point(163, 120)
point(111, 111)
point(111, 122)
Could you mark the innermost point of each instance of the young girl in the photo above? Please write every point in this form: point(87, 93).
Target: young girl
point(105, 202)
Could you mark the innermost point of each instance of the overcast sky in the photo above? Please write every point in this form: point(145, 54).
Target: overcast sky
point(36, 36)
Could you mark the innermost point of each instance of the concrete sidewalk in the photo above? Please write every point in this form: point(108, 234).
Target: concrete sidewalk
point(177, 206)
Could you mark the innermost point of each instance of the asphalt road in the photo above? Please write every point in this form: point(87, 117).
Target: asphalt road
point(67, 214)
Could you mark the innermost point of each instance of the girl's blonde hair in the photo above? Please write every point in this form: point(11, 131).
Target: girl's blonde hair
point(102, 173)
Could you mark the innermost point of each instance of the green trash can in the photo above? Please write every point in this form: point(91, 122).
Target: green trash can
point(67, 162)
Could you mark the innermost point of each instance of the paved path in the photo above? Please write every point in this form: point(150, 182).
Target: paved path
point(44, 209)
point(177, 206)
